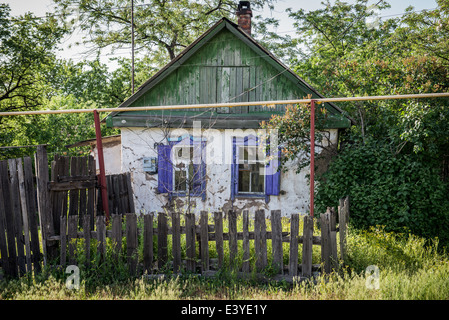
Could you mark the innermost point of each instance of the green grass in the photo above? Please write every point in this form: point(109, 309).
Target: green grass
point(410, 267)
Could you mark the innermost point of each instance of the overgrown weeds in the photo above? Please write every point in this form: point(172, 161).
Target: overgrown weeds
point(409, 267)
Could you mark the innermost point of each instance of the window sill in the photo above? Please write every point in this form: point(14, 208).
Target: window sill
point(249, 195)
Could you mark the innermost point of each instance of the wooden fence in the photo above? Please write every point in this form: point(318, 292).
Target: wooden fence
point(181, 242)
point(19, 240)
point(31, 202)
point(63, 202)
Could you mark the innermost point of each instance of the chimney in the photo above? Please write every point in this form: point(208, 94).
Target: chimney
point(244, 15)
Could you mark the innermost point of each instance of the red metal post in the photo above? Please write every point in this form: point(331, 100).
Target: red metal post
point(312, 156)
point(102, 175)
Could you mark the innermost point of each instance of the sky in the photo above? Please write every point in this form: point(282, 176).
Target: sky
point(40, 7)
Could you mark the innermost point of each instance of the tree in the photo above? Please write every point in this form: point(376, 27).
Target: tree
point(393, 163)
point(162, 28)
point(27, 47)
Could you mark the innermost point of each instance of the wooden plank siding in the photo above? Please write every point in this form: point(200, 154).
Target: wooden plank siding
point(223, 69)
point(221, 73)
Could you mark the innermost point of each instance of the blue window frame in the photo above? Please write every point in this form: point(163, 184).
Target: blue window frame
point(251, 176)
point(182, 168)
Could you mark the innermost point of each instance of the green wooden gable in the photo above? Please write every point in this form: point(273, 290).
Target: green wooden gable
point(221, 66)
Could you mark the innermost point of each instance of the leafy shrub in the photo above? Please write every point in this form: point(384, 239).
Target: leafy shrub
point(396, 191)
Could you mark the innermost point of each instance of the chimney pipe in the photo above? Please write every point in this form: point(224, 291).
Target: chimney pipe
point(244, 15)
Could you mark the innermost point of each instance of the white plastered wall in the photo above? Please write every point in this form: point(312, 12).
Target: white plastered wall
point(138, 143)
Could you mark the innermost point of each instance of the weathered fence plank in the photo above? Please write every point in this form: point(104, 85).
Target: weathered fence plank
point(204, 238)
point(218, 222)
point(90, 210)
point(86, 233)
point(131, 242)
point(190, 242)
point(72, 234)
point(162, 243)
point(307, 246)
point(3, 241)
point(32, 214)
point(9, 219)
point(232, 226)
point(260, 240)
point(24, 208)
point(294, 230)
point(17, 218)
point(176, 241)
point(63, 240)
point(100, 224)
point(276, 239)
point(333, 238)
point(245, 244)
point(116, 231)
point(342, 226)
point(43, 201)
point(148, 242)
point(325, 242)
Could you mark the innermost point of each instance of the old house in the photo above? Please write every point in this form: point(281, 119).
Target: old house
point(211, 159)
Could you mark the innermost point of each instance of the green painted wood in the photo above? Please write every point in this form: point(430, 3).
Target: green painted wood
point(220, 67)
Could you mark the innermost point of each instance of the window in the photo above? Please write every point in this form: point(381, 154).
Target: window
point(251, 176)
point(251, 170)
point(182, 168)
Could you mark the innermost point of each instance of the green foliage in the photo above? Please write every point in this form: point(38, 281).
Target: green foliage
point(162, 28)
point(394, 190)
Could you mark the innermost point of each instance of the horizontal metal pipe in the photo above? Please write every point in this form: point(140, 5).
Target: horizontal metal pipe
point(230, 105)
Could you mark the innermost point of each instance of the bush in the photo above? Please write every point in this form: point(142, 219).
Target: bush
point(396, 191)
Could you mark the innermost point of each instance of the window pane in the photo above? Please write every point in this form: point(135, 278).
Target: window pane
point(257, 178)
point(244, 176)
point(180, 180)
